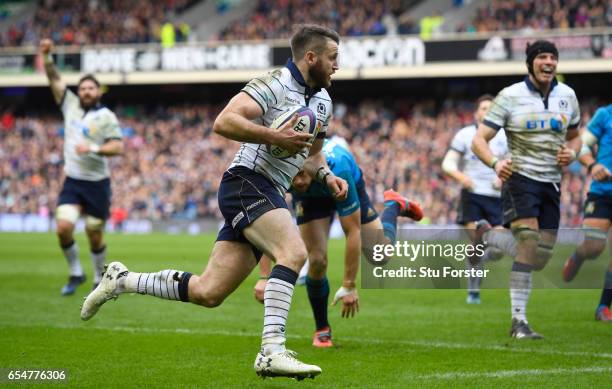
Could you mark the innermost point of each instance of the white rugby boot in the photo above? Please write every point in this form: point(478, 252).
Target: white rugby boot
point(107, 289)
point(284, 364)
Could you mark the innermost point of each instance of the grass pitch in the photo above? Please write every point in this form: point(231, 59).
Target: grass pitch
point(401, 338)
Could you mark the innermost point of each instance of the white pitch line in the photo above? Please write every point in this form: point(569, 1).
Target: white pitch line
point(510, 373)
point(416, 343)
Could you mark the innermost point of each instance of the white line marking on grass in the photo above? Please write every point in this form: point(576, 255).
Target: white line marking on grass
point(510, 373)
point(416, 343)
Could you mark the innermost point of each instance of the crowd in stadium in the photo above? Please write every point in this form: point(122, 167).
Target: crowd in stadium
point(358, 18)
point(173, 162)
point(536, 15)
point(273, 19)
point(75, 22)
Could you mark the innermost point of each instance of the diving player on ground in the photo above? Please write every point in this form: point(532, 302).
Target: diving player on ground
point(315, 207)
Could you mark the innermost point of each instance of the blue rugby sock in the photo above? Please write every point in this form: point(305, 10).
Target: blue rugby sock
point(606, 294)
point(389, 219)
point(318, 294)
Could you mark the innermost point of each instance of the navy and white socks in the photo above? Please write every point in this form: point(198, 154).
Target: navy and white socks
point(166, 284)
point(98, 257)
point(520, 288)
point(277, 301)
point(71, 253)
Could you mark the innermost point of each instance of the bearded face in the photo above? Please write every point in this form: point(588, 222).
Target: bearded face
point(320, 75)
point(326, 64)
point(89, 94)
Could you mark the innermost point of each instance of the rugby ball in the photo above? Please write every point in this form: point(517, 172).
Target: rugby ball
point(307, 122)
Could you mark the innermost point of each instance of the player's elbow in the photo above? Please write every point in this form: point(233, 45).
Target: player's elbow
point(113, 147)
point(477, 144)
point(220, 125)
point(119, 148)
point(449, 166)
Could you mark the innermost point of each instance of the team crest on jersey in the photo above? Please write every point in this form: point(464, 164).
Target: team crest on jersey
point(590, 207)
point(563, 104)
point(370, 212)
point(321, 108)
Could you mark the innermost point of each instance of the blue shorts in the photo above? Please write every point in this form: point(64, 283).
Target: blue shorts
point(309, 208)
point(243, 197)
point(93, 196)
point(523, 198)
point(598, 207)
point(474, 207)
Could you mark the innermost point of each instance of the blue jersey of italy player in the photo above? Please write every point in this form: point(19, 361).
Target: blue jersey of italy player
point(317, 202)
point(601, 128)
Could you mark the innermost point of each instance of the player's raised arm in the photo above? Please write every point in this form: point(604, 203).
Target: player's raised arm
point(480, 147)
point(58, 87)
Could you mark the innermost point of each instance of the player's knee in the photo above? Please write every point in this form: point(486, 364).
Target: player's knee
point(593, 249)
point(494, 254)
point(205, 297)
point(93, 223)
point(543, 254)
point(594, 243)
point(210, 301)
point(526, 237)
point(64, 229)
point(317, 260)
point(66, 216)
point(293, 257)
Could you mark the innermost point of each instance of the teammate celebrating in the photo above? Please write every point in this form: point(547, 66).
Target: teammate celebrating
point(251, 200)
point(598, 205)
point(91, 133)
point(540, 117)
point(315, 207)
point(480, 194)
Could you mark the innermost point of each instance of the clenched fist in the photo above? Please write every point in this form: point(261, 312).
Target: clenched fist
point(46, 46)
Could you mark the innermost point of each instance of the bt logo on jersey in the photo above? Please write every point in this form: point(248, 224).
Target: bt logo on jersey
point(555, 124)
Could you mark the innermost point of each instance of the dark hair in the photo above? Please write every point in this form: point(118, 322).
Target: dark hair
point(311, 37)
point(541, 46)
point(89, 77)
point(485, 97)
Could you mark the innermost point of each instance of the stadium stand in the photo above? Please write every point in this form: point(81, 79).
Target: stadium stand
point(531, 15)
point(74, 22)
point(425, 18)
point(176, 141)
point(173, 162)
point(273, 19)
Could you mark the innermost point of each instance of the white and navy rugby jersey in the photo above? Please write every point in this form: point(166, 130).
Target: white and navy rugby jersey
point(95, 126)
point(276, 92)
point(535, 126)
point(482, 176)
